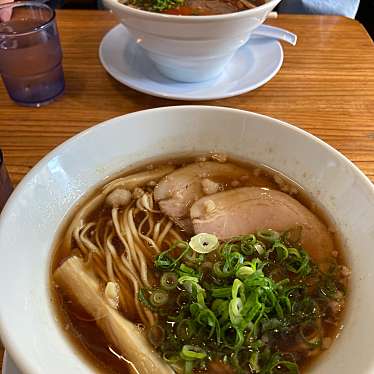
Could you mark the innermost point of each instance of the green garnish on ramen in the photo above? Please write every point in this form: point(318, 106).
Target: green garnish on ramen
point(255, 303)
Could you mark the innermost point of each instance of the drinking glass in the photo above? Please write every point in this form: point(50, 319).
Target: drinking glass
point(6, 187)
point(30, 53)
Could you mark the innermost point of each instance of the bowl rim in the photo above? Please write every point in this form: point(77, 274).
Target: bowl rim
point(196, 19)
point(25, 362)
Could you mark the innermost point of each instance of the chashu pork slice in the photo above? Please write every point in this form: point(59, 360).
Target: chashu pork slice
point(177, 191)
point(246, 210)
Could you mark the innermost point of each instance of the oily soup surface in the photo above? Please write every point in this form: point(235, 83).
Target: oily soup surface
point(299, 301)
point(194, 7)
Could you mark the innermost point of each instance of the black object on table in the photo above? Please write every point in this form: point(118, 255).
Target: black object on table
point(6, 187)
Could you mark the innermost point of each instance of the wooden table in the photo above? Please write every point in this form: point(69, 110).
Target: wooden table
point(325, 86)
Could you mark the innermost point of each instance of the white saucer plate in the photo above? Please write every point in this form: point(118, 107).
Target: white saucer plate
point(9, 366)
point(251, 67)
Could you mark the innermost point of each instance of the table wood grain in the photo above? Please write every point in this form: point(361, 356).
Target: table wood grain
point(325, 86)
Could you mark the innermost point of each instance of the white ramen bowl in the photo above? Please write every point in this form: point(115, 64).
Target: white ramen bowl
point(43, 199)
point(190, 48)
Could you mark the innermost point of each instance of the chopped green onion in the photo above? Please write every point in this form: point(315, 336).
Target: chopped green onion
point(195, 309)
point(232, 261)
point(253, 362)
point(193, 258)
point(221, 292)
point(299, 262)
point(170, 357)
point(143, 299)
point(236, 286)
point(185, 329)
point(310, 332)
point(233, 337)
point(204, 243)
point(169, 281)
point(227, 248)
point(154, 5)
point(235, 308)
point(187, 270)
point(187, 278)
point(218, 272)
point(268, 235)
point(158, 298)
point(191, 352)
point(247, 244)
point(165, 261)
point(188, 366)
point(281, 250)
point(221, 310)
point(244, 272)
point(259, 248)
point(260, 285)
point(275, 361)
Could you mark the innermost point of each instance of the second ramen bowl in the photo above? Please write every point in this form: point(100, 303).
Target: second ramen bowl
point(190, 48)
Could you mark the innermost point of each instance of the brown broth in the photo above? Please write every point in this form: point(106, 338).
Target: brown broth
point(200, 7)
point(80, 329)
